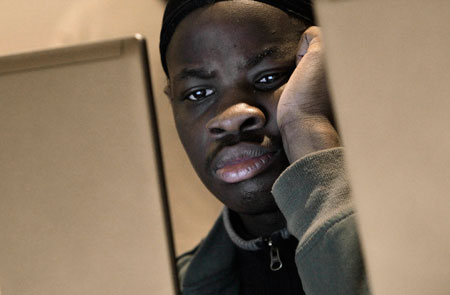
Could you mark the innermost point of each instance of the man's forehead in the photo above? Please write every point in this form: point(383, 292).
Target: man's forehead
point(246, 17)
point(208, 68)
point(298, 12)
point(242, 9)
point(198, 41)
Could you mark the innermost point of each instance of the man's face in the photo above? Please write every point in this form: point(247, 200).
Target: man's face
point(227, 66)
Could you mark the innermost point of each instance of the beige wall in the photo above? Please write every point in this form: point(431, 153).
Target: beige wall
point(32, 25)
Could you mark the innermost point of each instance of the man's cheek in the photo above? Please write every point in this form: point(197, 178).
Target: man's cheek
point(194, 148)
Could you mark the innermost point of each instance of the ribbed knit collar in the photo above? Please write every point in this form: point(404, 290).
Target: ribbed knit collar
point(254, 244)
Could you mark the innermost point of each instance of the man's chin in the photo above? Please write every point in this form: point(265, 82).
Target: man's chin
point(255, 205)
point(251, 196)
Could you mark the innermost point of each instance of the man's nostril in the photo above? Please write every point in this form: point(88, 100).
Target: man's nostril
point(249, 123)
point(252, 123)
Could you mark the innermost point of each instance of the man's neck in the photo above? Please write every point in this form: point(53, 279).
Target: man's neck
point(260, 225)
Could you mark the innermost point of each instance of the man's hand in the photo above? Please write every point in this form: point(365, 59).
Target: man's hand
point(304, 113)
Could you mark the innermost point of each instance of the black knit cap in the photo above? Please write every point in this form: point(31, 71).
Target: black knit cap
point(177, 10)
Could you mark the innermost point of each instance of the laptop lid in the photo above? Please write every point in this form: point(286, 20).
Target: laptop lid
point(388, 65)
point(83, 201)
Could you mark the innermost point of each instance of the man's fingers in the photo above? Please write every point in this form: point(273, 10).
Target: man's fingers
point(302, 47)
point(310, 40)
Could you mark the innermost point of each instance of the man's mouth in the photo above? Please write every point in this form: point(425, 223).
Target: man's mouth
point(241, 162)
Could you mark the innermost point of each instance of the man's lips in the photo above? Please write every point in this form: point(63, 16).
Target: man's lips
point(241, 162)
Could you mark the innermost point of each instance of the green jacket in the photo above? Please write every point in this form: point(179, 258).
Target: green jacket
point(313, 194)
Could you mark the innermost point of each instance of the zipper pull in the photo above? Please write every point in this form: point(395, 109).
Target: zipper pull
point(275, 261)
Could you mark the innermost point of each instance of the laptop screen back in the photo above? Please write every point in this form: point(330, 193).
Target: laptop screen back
point(83, 208)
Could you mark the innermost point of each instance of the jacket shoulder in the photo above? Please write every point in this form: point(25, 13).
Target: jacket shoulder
point(183, 261)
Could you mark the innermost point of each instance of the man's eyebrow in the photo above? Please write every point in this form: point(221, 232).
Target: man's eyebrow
point(256, 59)
point(194, 73)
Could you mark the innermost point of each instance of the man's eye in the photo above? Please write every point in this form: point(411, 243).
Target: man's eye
point(272, 81)
point(268, 79)
point(199, 94)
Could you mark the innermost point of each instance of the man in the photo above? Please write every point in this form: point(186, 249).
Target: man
point(247, 85)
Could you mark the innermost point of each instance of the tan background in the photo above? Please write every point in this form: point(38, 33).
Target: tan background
point(32, 25)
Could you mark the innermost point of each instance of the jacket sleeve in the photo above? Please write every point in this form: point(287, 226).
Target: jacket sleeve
point(314, 196)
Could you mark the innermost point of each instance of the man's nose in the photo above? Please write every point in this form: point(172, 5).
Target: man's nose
point(235, 119)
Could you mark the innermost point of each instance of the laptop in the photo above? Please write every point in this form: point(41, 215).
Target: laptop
point(388, 66)
point(82, 193)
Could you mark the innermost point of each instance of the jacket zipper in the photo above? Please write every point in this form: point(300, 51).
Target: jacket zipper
point(275, 261)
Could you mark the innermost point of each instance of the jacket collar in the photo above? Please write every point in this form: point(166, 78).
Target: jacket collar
point(213, 268)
